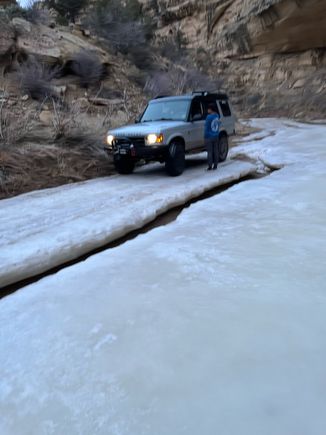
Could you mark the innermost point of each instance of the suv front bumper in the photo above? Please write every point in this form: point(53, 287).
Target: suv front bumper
point(138, 152)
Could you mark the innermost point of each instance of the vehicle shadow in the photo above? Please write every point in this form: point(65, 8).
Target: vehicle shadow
point(193, 162)
point(159, 168)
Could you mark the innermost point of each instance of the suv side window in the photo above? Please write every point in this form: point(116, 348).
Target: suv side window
point(210, 101)
point(225, 107)
point(196, 109)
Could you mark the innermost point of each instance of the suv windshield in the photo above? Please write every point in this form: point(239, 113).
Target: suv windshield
point(166, 111)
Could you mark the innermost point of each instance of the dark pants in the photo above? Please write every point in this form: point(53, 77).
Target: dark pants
point(212, 148)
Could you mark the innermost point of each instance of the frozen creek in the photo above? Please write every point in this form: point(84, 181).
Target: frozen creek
point(214, 324)
point(44, 229)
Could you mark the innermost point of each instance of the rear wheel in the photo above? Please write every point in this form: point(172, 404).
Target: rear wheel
point(223, 148)
point(175, 160)
point(124, 165)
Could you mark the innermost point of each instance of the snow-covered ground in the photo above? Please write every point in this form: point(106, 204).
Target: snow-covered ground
point(213, 324)
point(44, 229)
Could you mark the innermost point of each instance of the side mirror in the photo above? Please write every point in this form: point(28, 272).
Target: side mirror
point(196, 117)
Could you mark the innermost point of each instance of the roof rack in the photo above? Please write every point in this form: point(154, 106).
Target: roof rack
point(219, 95)
point(160, 96)
point(203, 93)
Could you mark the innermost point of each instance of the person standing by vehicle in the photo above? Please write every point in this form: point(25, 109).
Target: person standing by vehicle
point(212, 127)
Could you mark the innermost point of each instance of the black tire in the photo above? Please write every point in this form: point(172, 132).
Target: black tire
point(223, 148)
point(124, 165)
point(175, 161)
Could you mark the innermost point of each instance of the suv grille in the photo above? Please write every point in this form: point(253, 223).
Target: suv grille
point(137, 141)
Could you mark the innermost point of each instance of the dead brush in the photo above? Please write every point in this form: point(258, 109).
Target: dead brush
point(15, 123)
point(73, 123)
point(88, 68)
point(35, 80)
point(65, 118)
point(178, 80)
point(35, 13)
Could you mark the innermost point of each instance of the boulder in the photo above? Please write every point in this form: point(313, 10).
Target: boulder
point(60, 90)
point(299, 84)
point(86, 33)
point(51, 45)
point(46, 117)
point(105, 101)
point(38, 41)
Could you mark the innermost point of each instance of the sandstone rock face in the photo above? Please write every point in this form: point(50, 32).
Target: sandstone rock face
point(51, 45)
point(7, 39)
point(269, 26)
point(270, 53)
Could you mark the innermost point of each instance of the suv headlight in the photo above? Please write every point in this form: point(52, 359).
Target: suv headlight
point(109, 140)
point(153, 139)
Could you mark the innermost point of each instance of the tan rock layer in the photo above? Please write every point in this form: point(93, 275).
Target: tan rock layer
point(269, 53)
point(7, 39)
point(51, 45)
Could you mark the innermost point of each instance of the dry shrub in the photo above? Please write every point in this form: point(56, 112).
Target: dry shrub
point(65, 118)
point(27, 168)
point(122, 35)
point(15, 122)
point(12, 11)
point(35, 13)
point(67, 8)
point(75, 152)
point(73, 124)
point(178, 80)
point(173, 47)
point(32, 11)
point(121, 26)
point(35, 80)
point(141, 56)
point(88, 68)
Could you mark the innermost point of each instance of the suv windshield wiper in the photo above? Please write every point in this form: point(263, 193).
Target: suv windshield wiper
point(166, 119)
point(159, 119)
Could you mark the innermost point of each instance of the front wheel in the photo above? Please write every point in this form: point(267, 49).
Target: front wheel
point(124, 165)
point(175, 160)
point(223, 148)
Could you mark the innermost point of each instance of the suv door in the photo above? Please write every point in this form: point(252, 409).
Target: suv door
point(228, 119)
point(197, 120)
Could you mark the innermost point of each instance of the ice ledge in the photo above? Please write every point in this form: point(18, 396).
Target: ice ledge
point(45, 229)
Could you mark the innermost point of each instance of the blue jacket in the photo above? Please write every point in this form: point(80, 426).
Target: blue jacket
point(212, 126)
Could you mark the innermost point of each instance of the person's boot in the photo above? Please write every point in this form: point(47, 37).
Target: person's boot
point(215, 167)
point(209, 168)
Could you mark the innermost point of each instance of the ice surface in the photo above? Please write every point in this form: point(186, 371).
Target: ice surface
point(43, 229)
point(213, 324)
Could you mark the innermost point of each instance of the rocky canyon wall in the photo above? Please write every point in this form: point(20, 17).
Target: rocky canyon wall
point(271, 54)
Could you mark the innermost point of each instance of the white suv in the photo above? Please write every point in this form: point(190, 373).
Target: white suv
point(170, 128)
